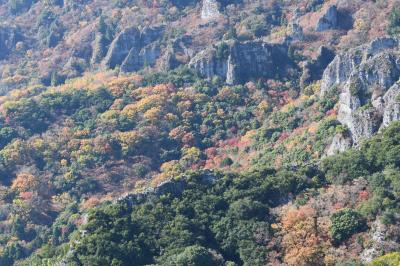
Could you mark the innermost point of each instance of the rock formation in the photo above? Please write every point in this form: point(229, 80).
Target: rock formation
point(367, 78)
point(173, 187)
point(99, 49)
point(210, 9)
point(329, 20)
point(237, 62)
point(314, 70)
point(133, 49)
point(340, 143)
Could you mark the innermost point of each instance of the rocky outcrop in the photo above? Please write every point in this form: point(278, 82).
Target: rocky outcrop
point(367, 79)
point(380, 239)
point(237, 62)
point(168, 60)
point(173, 187)
point(8, 39)
point(99, 49)
point(392, 105)
point(123, 44)
point(340, 143)
point(313, 70)
point(135, 59)
point(329, 20)
point(133, 49)
point(210, 9)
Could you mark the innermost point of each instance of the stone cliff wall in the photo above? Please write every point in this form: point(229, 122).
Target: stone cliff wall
point(237, 62)
point(367, 78)
point(133, 49)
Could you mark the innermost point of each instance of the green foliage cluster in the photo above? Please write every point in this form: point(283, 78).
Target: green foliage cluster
point(49, 29)
point(378, 161)
point(329, 99)
point(345, 223)
point(206, 224)
point(67, 137)
point(390, 259)
point(216, 222)
point(223, 222)
point(394, 22)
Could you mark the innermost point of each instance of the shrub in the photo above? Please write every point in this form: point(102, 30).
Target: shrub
point(394, 22)
point(226, 162)
point(329, 100)
point(389, 259)
point(345, 223)
point(193, 256)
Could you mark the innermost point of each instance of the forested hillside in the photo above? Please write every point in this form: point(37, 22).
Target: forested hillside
point(214, 132)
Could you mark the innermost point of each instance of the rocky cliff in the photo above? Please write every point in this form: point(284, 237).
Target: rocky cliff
point(133, 49)
point(237, 62)
point(367, 78)
point(313, 70)
point(329, 20)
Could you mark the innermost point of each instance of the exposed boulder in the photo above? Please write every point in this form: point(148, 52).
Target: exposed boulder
point(210, 9)
point(367, 78)
point(340, 143)
point(329, 20)
point(132, 49)
point(237, 62)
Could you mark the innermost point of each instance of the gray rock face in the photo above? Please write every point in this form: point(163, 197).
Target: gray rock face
point(237, 62)
point(340, 143)
point(210, 9)
point(99, 49)
point(133, 49)
point(367, 78)
point(127, 40)
point(8, 39)
point(392, 108)
point(135, 59)
point(314, 70)
point(329, 20)
point(168, 61)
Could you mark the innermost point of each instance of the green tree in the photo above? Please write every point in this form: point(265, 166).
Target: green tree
point(18, 227)
point(192, 256)
point(345, 223)
point(394, 22)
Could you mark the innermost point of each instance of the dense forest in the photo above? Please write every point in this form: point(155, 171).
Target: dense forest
point(195, 133)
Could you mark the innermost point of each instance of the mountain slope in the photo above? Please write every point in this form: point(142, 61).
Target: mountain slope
point(198, 132)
